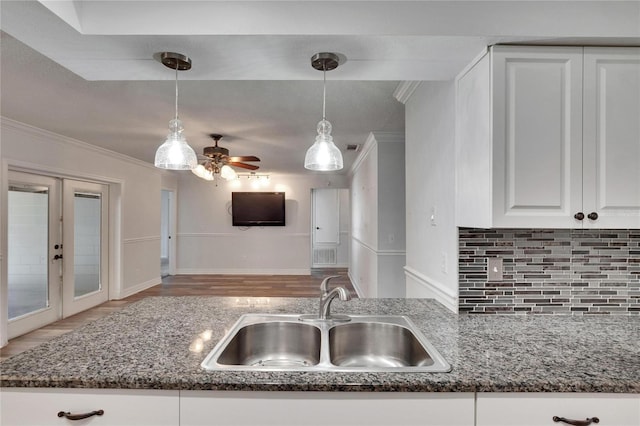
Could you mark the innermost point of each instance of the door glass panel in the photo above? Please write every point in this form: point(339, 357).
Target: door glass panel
point(28, 241)
point(87, 214)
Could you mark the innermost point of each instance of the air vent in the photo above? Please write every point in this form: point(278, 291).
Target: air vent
point(325, 256)
point(353, 147)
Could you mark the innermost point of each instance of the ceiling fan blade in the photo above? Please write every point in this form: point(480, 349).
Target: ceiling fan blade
point(244, 158)
point(243, 165)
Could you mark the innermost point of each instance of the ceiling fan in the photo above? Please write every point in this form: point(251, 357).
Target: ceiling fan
point(216, 160)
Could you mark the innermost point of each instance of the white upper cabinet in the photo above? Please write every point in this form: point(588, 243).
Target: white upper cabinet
point(611, 136)
point(549, 137)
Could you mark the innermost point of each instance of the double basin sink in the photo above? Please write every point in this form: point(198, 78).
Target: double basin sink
point(261, 342)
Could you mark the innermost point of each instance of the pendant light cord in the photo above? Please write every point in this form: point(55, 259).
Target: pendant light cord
point(324, 89)
point(176, 91)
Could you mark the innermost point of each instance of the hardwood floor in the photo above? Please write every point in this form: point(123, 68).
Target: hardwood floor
point(190, 285)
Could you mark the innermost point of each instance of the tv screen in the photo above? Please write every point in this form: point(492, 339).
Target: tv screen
point(257, 208)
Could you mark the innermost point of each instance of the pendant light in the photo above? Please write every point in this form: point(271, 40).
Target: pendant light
point(175, 153)
point(323, 155)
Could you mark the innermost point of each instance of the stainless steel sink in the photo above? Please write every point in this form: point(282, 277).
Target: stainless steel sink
point(365, 344)
point(273, 344)
point(376, 345)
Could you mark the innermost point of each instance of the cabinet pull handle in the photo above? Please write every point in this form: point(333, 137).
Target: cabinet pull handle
point(579, 215)
point(593, 215)
point(576, 422)
point(70, 416)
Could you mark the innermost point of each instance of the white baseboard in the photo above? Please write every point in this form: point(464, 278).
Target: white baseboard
point(137, 288)
point(442, 293)
point(243, 271)
point(324, 266)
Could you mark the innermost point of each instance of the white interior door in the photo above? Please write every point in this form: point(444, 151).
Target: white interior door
point(325, 226)
point(85, 238)
point(166, 218)
point(34, 252)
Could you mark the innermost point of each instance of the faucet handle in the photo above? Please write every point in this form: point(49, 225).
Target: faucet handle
point(324, 286)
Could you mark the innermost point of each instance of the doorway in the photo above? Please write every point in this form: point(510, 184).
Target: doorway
point(330, 219)
point(54, 268)
point(166, 221)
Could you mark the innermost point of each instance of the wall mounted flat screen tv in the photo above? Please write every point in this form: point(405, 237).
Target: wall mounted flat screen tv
point(258, 208)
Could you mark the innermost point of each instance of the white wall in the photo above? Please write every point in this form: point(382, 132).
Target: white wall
point(134, 200)
point(165, 217)
point(208, 243)
point(377, 217)
point(432, 252)
point(345, 228)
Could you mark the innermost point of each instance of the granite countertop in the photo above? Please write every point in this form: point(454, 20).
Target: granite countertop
point(152, 344)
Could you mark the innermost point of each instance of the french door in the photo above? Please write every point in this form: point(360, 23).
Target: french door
point(85, 238)
point(55, 268)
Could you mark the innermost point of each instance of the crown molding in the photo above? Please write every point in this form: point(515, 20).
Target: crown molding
point(36, 131)
point(372, 140)
point(404, 90)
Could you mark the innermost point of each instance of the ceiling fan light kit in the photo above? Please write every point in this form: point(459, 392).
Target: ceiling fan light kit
point(175, 153)
point(216, 161)
point(324, 155)
point(201, 171)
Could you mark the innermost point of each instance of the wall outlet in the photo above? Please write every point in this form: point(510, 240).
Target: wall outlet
point(494, 269)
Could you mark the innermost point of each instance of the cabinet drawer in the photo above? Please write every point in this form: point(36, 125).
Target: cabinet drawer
point(538, 409)
point(325, 408)
point(33, 406)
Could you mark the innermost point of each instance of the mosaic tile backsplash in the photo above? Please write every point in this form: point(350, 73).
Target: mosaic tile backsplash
point(551, 271)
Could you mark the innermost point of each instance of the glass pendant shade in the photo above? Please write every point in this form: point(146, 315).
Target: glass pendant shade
point(323, 155)
point(175, 153)
point(228, 173)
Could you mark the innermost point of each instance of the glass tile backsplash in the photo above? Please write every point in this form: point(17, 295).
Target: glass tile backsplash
point(550, 271)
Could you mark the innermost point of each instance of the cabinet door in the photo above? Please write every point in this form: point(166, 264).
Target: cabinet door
point(32, 406)
point(325, 408)
point(538, 409)
point(537, 136)
point(612, 137)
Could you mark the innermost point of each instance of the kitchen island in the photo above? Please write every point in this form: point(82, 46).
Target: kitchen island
point(159, 343)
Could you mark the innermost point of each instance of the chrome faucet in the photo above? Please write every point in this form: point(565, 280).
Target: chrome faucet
point(326, 297)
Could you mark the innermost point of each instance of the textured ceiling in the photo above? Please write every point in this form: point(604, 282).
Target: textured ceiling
point(85, 69)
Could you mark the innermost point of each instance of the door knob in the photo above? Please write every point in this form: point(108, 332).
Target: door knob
point(593, 215)
point(57, 257)
point(579, 215)
point(317, 227)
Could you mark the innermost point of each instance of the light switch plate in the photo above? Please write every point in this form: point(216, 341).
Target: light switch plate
point(494, 269)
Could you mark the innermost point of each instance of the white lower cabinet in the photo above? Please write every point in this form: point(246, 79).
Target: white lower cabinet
point(40, 407)
point(325, 408)
point(539, 409)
